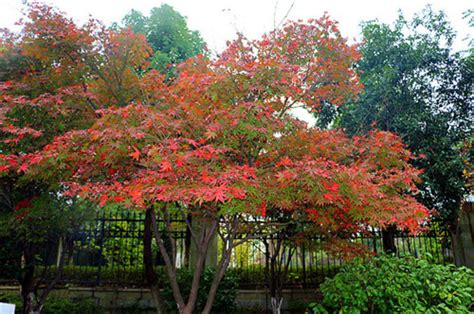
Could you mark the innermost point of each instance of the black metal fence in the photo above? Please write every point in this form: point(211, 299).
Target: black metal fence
point(108, 250)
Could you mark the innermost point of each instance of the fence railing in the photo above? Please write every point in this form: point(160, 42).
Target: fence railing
point(108, 250)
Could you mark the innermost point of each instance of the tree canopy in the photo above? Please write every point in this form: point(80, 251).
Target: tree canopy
point(218, 142)
point(55, 75)
point(86, 119)
point(416, 86)
point(167, 32)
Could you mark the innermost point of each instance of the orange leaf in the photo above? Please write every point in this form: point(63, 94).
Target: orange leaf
point(136, 154)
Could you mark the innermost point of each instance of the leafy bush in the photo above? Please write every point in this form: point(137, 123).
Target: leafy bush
point(12, 298)
point(254, 277)
point(87, 275)
point(56, 305)
point(388, 284)
point(10, 257)
point(225, 298)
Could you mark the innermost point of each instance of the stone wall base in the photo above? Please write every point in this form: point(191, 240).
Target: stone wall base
point(115, 299)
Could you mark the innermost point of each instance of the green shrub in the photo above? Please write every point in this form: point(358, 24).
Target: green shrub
point(388, 284)
point(56, 305)
point(225, 297)
point(12, 298)
point(254, 277)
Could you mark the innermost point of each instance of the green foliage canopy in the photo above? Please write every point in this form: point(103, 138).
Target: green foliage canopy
point(167, 32)
point(417, 87)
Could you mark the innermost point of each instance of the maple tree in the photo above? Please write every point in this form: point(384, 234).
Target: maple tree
point(219, 144)
point(66, 73)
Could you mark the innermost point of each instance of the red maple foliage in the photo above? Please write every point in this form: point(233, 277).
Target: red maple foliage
point(219, 141)
point(57, 74)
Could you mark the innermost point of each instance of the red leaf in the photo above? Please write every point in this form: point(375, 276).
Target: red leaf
point(103, 200)
point(262, 209)
point(334, 187)
point(4, 168)
point(328, 197)
point(23, 167)
point(220, 195)
point(166, 166)
point(136, 154)
point(25, 203)
point(285, 161)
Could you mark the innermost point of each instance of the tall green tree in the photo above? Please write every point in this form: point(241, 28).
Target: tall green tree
point(167, 32)
point(419, 88)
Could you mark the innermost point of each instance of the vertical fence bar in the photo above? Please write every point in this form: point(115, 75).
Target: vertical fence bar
point(374, 240)
point(303, 264)
point(101, 245)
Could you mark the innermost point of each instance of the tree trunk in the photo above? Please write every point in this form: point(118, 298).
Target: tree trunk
point(278, 270)
point(202, 238)
point(457, 245)
point(219, 274)
point(170, 267)
point(275, 283)
point(28, 301)
point(388, 239)
point(41, 299)
point(276, 302)
point(186, 310)
point(462, 236)
point(27, 281)
point(206, 233)
point(212, 251)
point(150, 274)
point(228, 244)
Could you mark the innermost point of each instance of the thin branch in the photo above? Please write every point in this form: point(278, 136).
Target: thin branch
point(191, 230)
point(42, 299)
point(169, 228)
point(170, 268)
point(286, 15)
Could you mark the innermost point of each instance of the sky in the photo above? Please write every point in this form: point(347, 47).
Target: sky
point(219, 20)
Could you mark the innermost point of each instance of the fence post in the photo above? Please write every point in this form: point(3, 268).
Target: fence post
point(101, 250)
point(375, 240)
point(60, 251)
point(303, 264)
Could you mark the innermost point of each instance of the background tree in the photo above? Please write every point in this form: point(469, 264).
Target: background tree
point(168, 34)
point(12, 64)
point(416, 86)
